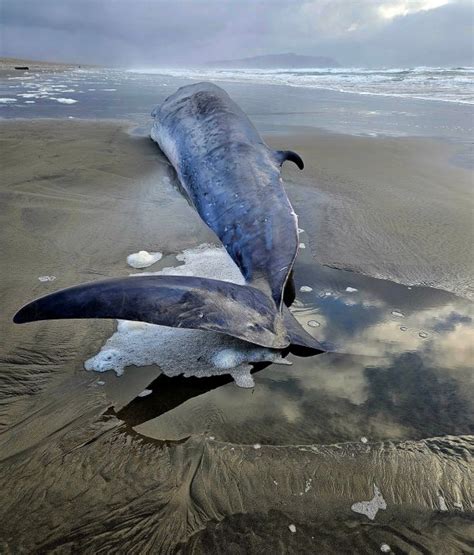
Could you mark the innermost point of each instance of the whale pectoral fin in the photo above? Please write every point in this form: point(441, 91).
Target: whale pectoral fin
point(174, 301)
point(298, 336)
point(284, 155)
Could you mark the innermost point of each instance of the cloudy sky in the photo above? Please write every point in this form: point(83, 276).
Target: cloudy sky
point(189, 32)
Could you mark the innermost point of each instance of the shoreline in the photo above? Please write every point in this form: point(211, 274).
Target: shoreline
point(269, 77)
point(7, 63)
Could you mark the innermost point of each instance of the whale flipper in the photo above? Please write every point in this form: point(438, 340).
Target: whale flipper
point(284, 155)
point(175, 301)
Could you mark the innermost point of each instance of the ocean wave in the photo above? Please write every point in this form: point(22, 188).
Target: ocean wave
point(425, 83)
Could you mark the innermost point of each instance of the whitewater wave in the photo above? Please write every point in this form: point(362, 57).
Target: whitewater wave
point(424, 83)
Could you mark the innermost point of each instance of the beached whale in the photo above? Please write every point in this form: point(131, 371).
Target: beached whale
point(233, 180)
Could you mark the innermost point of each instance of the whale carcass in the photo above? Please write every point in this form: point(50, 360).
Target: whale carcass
point(232, 178)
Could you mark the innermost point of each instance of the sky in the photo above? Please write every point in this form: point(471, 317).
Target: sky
point(166, 33)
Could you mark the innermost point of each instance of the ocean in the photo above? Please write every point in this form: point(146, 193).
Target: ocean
point(365, 102)
point(455, 84)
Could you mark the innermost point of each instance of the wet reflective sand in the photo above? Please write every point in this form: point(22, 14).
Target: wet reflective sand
point(199, 465)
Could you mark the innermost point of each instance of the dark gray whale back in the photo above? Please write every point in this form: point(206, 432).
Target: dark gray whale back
point(233, 179)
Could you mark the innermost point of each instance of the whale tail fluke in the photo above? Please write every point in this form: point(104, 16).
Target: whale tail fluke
point(299, 337)
point(240, 311)
point(175, 301)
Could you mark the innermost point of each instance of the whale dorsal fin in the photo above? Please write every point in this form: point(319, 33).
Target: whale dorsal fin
point(284, 155)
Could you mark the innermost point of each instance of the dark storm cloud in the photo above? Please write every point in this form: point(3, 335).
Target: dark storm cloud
point(139, 32)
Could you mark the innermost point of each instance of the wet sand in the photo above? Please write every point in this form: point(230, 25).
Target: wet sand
point(8, 65)
point(393, 208)
point(76, 199)
point(86, 465)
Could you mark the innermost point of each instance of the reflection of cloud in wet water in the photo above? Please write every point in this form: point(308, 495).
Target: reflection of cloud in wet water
point(397, 389)
point(324, 399)
point(442, 342)
point(369, 325)
point(456, 348)
point(449, 322)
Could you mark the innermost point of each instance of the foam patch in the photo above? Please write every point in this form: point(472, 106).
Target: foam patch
point(143, 259)
point(372, 507)
point(66, 100)
point(181, 351)
point(47, 278)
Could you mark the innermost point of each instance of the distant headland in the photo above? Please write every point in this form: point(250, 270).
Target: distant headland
point(271, 61)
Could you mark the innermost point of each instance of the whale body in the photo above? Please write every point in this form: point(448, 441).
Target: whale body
point(232, 178)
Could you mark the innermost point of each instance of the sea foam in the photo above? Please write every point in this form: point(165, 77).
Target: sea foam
point(143, 259)
point(181, 351)
point(66, 100)
point(372, 507)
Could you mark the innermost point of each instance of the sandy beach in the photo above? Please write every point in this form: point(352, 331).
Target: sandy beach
point(394, 208)
point(8, 66)
point(183, 469)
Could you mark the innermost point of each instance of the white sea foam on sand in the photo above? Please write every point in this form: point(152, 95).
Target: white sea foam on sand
point(372, 507)
point(7, 100)
point(442, 503)
point(181, 351)
point(47, 278)
point(143, 259)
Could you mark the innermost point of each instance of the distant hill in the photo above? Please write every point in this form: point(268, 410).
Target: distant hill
point(272, 61)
